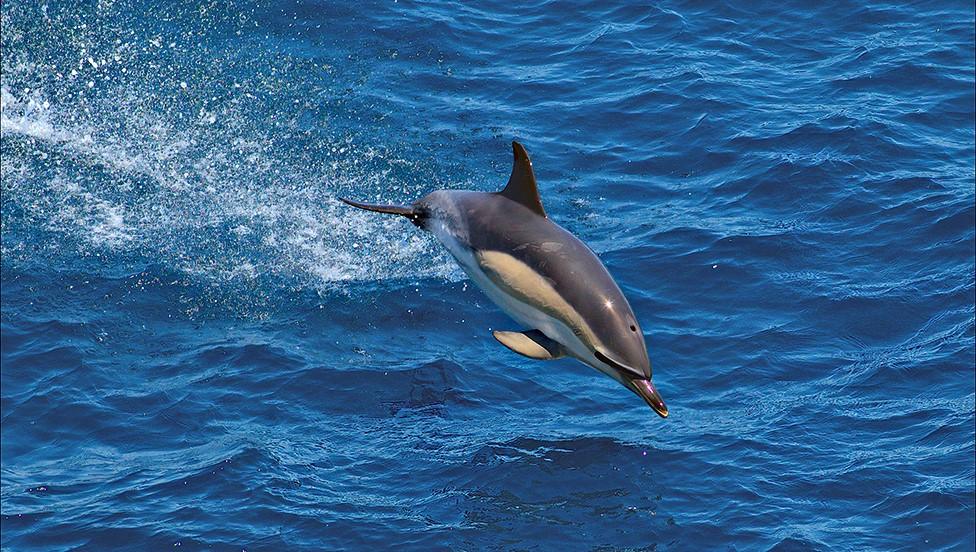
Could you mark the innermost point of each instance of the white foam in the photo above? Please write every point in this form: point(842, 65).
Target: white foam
point(210, 200)
point(26, 117)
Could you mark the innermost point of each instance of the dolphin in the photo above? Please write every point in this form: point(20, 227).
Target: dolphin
point(542, 276)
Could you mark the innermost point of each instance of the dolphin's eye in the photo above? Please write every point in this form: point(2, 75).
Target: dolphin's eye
point(633, 328)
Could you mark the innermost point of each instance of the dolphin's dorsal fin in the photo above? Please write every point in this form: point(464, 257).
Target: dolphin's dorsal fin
point(521, 187)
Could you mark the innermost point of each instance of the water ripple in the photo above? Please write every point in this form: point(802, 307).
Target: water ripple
point(203, 349)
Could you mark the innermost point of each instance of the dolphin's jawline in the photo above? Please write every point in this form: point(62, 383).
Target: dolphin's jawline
point(620, 366)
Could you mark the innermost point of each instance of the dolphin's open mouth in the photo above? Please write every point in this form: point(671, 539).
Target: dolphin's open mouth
point(648, 392)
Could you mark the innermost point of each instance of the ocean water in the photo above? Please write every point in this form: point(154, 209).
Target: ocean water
point(202, 349)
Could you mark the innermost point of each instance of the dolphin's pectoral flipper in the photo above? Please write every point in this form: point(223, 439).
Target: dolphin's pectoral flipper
point(533, 344)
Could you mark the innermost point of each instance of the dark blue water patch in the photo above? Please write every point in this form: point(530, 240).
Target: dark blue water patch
point(201, 348)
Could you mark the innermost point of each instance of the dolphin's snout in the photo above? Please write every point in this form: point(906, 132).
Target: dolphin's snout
point(648, 392)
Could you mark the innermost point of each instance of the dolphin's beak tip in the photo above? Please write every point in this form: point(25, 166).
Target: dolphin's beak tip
point(659, 408)
point(649, 393)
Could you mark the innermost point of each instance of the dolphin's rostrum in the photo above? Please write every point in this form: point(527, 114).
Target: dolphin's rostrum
point(540, 275)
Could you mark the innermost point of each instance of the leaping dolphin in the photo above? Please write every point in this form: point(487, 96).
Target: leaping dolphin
point(540, 275)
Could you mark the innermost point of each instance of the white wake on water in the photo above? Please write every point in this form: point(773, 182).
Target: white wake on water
point(112, 175)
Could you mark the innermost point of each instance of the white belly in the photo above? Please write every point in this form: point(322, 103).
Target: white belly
point(528, 315)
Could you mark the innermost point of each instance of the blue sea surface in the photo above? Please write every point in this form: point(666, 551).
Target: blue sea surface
point(202, 349)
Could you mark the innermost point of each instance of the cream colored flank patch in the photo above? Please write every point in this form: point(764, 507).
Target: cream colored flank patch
point(530, 287)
